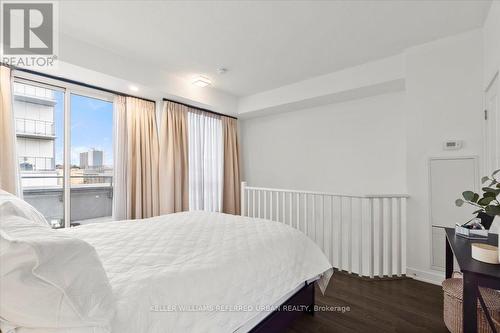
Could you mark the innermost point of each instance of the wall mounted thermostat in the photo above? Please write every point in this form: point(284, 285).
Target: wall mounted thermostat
point(452, 145)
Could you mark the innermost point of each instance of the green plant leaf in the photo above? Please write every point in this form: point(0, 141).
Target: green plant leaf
point(485, 201)
point(492, 210)
point(485, 179)
point(468, 195)
point(495, 172)
point(478, 211)
point(492, 190)
point(459, 202)
point(489, 194)
point(475, 198)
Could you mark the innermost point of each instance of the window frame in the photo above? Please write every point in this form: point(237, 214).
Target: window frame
point(68, 89)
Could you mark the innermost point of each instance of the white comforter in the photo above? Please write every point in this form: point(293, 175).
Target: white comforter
point(203, 261)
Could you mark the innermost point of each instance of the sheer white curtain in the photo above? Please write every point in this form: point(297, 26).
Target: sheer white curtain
point(205, 161)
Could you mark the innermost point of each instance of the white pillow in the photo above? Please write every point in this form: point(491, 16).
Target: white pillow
point(12, 205)
point(51, 280)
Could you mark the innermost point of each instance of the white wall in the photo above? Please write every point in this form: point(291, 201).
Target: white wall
point(382, 143)
point(444, 101)
point(354, 147)
point(491, 39)
point(357, 82)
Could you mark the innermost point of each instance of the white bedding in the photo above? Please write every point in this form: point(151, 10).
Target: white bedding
point(200, 260)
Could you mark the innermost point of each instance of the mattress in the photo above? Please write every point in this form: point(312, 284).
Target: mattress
point(247, 327)
point(200, 271)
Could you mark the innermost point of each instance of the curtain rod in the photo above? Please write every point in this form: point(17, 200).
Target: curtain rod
point(78, 83)
point(201, 109)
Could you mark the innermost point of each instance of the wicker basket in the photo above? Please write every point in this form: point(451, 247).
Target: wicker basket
point(453, 293)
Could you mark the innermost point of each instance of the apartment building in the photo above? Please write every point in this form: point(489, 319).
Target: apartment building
point(92, 159)
point(34, 111)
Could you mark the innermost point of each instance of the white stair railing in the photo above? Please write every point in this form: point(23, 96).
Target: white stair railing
point(361, 234)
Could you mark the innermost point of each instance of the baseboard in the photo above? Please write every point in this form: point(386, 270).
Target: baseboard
point(429, 276)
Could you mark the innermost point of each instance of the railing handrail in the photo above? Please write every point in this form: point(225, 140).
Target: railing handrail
point(47, 126)
point(73, 176)
point(375, 195)
point(28, 156)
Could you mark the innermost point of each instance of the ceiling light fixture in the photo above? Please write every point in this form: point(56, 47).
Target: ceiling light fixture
point(201, 81)
point(133, 88)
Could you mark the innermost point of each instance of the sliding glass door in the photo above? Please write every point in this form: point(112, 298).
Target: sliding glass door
point(91, 159)
point(39, 123)
point(64, 147)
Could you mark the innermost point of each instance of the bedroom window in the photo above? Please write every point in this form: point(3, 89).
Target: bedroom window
point(39, 121)
point(64, 146)
point(91, 159)
point(205, 161)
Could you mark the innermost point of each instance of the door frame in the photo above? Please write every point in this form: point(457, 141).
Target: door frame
point(487, 115)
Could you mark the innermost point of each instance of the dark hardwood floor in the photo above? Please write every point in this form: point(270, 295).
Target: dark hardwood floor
point(402, 306)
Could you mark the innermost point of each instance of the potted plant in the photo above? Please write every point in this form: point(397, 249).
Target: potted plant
point(488, 205)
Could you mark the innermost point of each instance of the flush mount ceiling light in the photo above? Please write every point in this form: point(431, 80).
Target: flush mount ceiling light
point(133, 88)
point(201, 81)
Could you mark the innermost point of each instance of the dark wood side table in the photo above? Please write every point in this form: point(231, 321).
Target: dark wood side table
point(475, 274)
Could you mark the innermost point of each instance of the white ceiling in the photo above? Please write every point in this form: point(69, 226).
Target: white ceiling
point(263, 44)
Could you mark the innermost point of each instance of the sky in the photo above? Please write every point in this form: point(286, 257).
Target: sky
point(91, 127)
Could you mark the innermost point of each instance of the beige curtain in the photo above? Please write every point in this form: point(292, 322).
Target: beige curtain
point(9, 180)
point(136, 191)
point(231, 187)
point(174, 159)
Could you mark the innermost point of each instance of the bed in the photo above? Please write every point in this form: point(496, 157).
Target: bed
point(195, 272)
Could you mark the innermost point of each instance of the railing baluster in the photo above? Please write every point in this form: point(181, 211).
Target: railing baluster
point(277, 206)
point(298, 211)
point(403, 236)
point(265, 204)
point(332, 231)
point(371, 239)
point(258, 204)
point(284, 207)
point(389, 238)
point(360, 238)
point(254, 206)
point(341, 222)
point(271, 205)
point(306, 224)
point(313, 207)
point(291, 210)
point(243, 195)
point(349, 259)
point(398, 236)
point(323, 223)
point(381, 237)
point(248, 202)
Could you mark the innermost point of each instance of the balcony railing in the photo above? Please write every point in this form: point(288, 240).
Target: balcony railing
point(91, 198)
point(35, 127)
point(22, 91)
point(34, 163)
